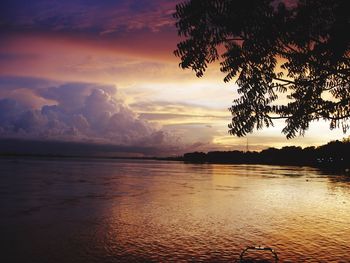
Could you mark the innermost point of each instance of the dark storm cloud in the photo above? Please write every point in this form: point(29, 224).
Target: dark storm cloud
point(66, 148)
point(93, 17)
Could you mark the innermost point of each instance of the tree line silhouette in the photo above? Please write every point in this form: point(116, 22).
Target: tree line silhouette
point(333, 155)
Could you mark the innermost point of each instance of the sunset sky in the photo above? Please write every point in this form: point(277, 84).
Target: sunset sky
point(104, 72)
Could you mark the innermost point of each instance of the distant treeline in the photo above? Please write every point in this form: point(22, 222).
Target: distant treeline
point(335, 154)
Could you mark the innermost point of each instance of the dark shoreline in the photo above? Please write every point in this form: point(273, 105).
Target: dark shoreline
point(328, 168)
point(334, 156)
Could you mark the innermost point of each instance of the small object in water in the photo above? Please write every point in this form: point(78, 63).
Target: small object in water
point(257, 248)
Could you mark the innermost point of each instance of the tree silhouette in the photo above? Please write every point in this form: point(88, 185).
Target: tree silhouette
point(297, 52)
point(334, 155)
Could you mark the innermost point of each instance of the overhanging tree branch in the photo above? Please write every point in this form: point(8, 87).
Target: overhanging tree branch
point(255, 35)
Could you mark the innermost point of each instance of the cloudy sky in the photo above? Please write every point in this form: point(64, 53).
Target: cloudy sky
point(104, 72)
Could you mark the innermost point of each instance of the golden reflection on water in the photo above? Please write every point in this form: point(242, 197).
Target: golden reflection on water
point(211, 212)
point(137, 211)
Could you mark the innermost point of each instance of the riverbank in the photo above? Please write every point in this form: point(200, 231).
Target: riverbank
point(334, 156)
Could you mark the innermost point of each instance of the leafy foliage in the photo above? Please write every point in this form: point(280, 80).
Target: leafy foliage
point(298, 52)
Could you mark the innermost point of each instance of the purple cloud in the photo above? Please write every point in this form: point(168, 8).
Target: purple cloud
point(80, 112)
point(101, 17)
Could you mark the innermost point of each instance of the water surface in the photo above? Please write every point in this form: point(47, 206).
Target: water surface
point(71, 210)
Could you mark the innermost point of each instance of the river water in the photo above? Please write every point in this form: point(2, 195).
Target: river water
point(93, 210)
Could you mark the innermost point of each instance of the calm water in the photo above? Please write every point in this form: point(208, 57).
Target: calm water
point(137, 211)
